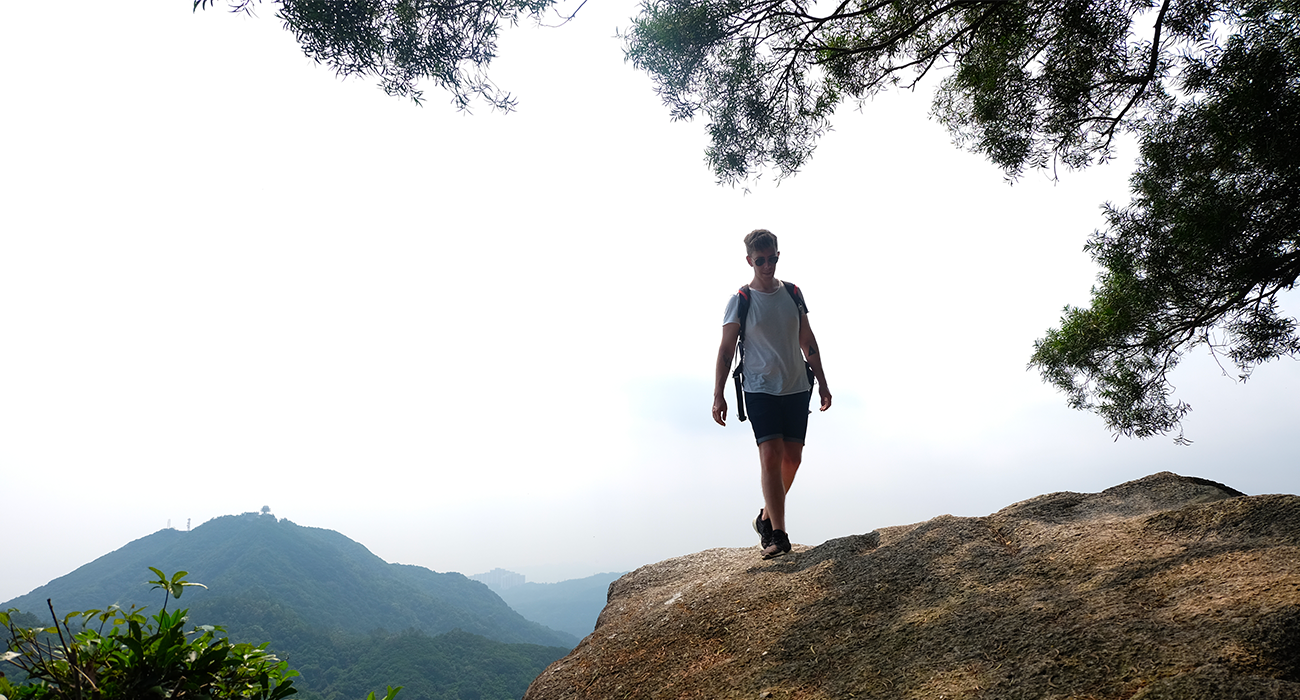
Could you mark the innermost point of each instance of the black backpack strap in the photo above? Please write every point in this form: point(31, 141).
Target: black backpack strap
point(742, 311)
point(797, 295)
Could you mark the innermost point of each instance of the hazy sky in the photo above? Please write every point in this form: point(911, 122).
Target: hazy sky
point(229, 279)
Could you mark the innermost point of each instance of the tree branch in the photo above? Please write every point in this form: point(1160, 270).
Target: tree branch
point(1150, 75)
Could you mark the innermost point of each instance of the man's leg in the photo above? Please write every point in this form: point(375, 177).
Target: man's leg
point(779, 459)
point(771, 458)
point(792, 458)
point(788, 457)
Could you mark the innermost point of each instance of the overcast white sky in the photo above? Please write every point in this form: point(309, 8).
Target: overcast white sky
point(229, 279)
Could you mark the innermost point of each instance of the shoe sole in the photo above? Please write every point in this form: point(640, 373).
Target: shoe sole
point(777, 553)
point(780, 545)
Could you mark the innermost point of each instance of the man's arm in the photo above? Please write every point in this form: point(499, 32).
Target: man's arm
point(726, 351)
point(812, 353)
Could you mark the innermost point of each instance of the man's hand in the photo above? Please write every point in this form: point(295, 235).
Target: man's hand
point(825, 394)
point(720, 410)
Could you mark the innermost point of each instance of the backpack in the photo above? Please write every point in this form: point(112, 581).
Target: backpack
point(742, 311)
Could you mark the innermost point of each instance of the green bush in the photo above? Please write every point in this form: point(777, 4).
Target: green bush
point(139, 657)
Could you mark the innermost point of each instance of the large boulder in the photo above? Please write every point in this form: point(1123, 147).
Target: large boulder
point(1163, 588)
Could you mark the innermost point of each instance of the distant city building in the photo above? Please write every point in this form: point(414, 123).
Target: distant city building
point(500, 579)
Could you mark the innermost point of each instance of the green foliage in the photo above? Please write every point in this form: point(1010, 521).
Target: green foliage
point(140, 657)
point(319, 598)
point(1031, 83)
point(403, 42)
point(446, 667)
point(173, 587)
point(1208, 86)
point(1211, 237)
point(760, 110)
point(336, 665)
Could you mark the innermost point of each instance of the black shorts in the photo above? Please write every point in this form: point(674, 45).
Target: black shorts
point(778, 417)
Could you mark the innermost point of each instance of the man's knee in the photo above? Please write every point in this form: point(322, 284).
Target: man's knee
point(772, 453)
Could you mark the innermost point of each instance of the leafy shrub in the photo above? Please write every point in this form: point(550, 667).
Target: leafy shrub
point(139, 657)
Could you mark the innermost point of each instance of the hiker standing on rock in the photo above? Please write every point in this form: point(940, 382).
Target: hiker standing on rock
point(779, 358)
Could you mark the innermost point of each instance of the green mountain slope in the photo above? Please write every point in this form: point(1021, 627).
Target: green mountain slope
point(452, 666)
point(349, 622)
point(315, 575)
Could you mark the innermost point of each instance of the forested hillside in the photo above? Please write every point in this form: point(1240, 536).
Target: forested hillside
point(256, 561)
point(344, 618)
point(451, 666)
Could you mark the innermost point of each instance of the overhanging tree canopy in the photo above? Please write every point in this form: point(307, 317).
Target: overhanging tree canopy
point(1211, 88)
point(1030, 80)
point(404, 42)
point(1211, 237)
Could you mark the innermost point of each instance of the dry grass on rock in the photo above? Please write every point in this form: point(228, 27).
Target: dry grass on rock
point(1163, 588)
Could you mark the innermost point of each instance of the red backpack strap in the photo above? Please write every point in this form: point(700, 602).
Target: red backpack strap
point(742, 310)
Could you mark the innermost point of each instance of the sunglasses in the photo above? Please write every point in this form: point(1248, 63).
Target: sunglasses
point(761, 261)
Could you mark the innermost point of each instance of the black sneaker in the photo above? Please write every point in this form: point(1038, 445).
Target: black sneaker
point(764, 530)
point(780, 545)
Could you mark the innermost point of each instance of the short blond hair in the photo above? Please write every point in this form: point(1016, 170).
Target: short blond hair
point(758, 239)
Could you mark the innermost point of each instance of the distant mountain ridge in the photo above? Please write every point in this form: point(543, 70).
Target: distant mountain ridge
point(499, 579)
point(570, 606)
point(319, 576)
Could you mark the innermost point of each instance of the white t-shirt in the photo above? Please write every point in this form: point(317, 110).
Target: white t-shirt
point(773, 358)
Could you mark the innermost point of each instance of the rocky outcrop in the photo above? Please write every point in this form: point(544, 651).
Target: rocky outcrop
point(1163, 588)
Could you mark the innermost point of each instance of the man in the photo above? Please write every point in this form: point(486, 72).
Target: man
point(778, 340)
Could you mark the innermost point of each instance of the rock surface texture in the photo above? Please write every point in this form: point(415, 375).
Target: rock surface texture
point(1163, 588)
